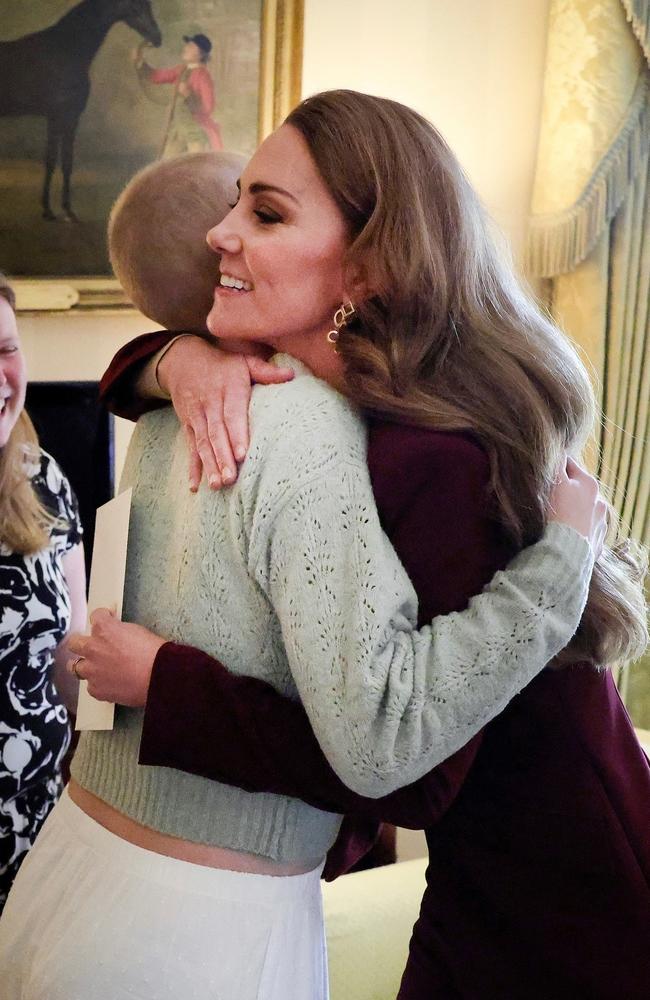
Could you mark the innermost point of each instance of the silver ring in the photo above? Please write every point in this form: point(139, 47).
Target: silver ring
point(75, 663)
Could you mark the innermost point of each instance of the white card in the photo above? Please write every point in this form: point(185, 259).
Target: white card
point(106, 590)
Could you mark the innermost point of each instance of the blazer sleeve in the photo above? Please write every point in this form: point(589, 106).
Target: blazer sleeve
point(116, 386)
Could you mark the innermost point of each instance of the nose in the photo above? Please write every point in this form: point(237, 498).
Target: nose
point(223, 238)
point(3, 377)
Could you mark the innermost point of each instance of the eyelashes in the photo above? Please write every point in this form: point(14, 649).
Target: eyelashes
point(267, 218)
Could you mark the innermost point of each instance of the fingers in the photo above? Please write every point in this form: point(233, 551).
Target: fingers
point(217, 438)
point(576, 471)
point(202, 455)
point(212, 406)
point(266, 373)
point(100, 615)
point(76, 666)
point(195, 464)
point(571, 468)
point(235, 415)
point(78, 644)
point(219, 444)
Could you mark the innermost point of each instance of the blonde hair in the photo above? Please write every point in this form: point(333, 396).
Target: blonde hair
point(157, 230)
point(25, 524)
point(450, 340)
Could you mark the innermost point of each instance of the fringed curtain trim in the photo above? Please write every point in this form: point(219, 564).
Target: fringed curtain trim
point(558, 242)
point(638, 14)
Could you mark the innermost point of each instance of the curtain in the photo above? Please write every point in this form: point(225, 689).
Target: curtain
point(589, 237)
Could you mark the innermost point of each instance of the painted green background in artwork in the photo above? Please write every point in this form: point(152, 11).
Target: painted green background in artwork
point(120, 130)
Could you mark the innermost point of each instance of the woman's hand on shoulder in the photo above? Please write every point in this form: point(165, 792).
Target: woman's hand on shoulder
point(210, 390)
point(575, 500)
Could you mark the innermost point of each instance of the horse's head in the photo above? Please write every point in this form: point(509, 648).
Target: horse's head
point(139, 16)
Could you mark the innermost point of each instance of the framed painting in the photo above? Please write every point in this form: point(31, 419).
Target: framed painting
point(91, 91)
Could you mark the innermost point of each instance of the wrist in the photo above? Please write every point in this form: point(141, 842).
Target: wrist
point(146, 678)
point(163, 370)
point(165, 366)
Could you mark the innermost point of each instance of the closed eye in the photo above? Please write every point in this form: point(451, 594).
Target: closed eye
point(267, 218)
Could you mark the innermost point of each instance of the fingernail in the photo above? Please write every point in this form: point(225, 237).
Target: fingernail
point(226, 474)
point(193, 488)
point(214, 481)
point(240, 453)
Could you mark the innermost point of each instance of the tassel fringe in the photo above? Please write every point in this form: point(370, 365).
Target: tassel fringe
point(558, 242)
point(638, 14)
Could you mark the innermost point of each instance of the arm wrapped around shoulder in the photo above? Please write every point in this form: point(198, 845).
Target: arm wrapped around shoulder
point(388, 702)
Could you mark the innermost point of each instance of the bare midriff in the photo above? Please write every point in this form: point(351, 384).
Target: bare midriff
point(175, 847)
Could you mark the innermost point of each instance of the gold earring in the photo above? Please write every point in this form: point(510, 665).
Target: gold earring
point(341, 318)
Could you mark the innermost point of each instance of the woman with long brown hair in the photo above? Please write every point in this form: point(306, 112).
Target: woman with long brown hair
point(289, 574)
point(538, 881)
point(42, 583)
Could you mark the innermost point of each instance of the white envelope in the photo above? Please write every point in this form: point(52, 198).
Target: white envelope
point(106, 590)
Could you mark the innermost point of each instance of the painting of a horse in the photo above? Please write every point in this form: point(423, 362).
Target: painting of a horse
point(86, 102)
point(46, 74)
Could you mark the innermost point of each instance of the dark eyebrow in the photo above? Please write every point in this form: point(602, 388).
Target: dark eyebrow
point(259, 188)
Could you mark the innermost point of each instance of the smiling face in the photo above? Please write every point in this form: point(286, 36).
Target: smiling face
point(13, 374)
point(282, 249)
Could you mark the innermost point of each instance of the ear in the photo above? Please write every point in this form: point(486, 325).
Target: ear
point(359, 284)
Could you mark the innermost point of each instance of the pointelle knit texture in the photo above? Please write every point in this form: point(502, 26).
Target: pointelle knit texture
point(288, 576)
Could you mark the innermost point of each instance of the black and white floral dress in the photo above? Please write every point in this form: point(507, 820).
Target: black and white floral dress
point(34, 724)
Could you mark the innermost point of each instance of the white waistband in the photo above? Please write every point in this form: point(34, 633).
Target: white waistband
point(114, 850)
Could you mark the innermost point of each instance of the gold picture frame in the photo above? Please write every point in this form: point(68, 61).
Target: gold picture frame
point(280, 77)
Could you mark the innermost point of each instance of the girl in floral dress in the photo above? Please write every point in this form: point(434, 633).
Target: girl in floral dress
point(42, 596)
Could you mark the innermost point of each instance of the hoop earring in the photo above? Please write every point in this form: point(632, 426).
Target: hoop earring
point(342, 316)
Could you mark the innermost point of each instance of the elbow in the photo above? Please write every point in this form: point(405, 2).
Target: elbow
point(369, 779)
point(374, 786)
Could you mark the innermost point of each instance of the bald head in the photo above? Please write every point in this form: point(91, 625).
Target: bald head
point(156, 235)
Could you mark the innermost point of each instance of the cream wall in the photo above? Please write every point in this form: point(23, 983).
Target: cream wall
point(473, 67)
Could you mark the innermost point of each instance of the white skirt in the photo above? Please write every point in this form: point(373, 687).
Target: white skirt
point(92, 917)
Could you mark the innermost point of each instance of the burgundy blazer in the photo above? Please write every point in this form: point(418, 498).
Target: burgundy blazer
point(538, 829)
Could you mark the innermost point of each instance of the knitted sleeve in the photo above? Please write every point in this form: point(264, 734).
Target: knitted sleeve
point(388, 702)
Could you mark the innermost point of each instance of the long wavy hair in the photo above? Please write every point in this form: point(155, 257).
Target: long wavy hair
point(450, 340)
point(25, 524)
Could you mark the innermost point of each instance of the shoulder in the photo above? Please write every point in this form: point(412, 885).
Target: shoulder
point(57, 495)
point(155, 434)
point(427, 459)
point(305, 423)
point(308, 445)
point(412, 445)
point(154, 430)
point(47, 475)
